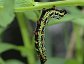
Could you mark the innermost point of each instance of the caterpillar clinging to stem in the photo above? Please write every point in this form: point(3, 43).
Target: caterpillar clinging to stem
point(39, 31)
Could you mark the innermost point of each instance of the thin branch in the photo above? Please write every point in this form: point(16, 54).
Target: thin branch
point(41, 5)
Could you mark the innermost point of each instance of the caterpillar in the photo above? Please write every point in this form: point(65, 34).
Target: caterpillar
point(39, 31)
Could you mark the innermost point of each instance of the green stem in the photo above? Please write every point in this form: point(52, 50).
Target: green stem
point(41, 5)
point(28, 45)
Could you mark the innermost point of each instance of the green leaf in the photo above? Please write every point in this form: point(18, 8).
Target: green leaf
point(23, 3)
point(32, 15)
point(79, 21)
point(23, 51)
point(1, 2)
point(13, 61)
point(1, 30)
point(5, 46)
point(1, 61)
point(75, 11)
point(72, 61)
point(7, 14)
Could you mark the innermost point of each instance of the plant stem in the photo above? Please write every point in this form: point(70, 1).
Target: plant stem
point(41, 5)
point(28, 45)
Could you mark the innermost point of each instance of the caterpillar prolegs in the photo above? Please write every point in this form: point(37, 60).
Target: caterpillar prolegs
point(39, 31)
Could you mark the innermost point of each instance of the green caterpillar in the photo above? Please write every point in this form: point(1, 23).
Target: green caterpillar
point(39, 31)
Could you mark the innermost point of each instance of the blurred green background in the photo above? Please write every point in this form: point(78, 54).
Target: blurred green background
point(64, 38)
